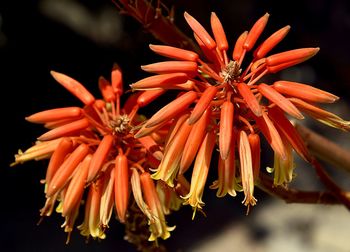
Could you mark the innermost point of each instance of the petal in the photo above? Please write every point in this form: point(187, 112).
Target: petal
point(137, 193)
point(55, 114)
point(271, 134)
point(194, 141)
point(100, 156)
point(64, 148)
point(75, 87)
point(304, 92)
point(107, 199)
point(146, 97)
point(255, 32)
point(296, 56)
point(170, 164)
point(165, 67)
point(202, 104)
point(238, 49)
point(172, 109)
point(158, 228)
point(279, 100)
point(65, 130)
point(94, 210)
point(75, 188)
point(283, 168)
point(66, 170)
point(117, 79)
point(121, 186)
point(151, 146)
point(290, 133)
point(160, 81)
point(322, 116)
point(200, 173)
point(174, 53)
point(106, 89)
point(39, 151)
point(226, 127)
point(248, 96)
point(200, 31)
point(226, 182)
point(271, 42)
point(245, 157)
point(219, 33)
point(254, 142)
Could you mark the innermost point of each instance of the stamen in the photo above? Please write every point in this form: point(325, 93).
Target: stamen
point(121, 124)
point(231, 71)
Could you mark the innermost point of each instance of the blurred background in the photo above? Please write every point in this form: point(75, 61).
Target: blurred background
point(83, 39)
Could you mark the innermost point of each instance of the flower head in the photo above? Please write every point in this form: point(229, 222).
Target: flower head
point(223, 94)
point(93, 148)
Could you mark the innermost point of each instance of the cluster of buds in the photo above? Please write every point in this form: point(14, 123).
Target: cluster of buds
point(124, 160)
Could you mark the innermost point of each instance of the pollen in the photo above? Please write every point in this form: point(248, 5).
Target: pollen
point(121, 124)
point(231, 71)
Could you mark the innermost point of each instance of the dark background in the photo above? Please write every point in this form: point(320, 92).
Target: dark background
point(33, 42)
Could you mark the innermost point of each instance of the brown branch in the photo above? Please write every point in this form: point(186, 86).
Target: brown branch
point(290, 195)
point(341, 195)
point(161, 27)
point(324, 149)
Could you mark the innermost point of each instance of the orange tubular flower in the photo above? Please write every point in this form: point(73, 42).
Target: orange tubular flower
point(235, 100)
point(94, 148)
point(158, 226)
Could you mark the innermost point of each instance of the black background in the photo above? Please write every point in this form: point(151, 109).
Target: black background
point(35, 44)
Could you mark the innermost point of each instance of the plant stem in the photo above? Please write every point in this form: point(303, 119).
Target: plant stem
point(161, 27)
point(324, 149)
point(290, 195)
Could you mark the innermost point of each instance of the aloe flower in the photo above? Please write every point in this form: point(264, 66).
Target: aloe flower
point(93, 149)
point(222, 94)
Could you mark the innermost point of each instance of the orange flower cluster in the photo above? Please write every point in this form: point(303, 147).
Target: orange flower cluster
point(123, 160)
point(224, 103)
point(93, 149)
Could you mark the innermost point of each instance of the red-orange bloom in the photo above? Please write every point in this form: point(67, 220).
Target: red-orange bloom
point(94, 148)
point(228, 97)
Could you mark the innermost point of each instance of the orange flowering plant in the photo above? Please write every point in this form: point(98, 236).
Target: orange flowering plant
point(114, 159)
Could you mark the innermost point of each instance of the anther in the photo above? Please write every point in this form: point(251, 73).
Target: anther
point(231, 71)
